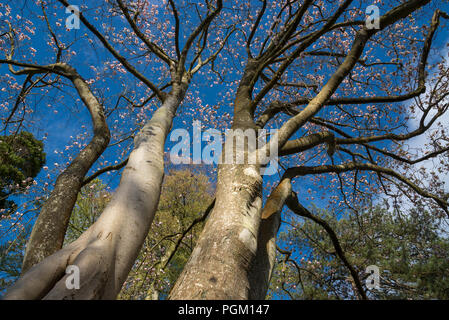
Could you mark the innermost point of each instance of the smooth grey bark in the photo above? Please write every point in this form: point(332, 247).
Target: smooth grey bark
point(106, 251)
point(48, 232)
point(263, 265)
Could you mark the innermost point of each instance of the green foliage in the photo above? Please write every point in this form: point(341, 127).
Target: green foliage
point(91, 201)
point(411, 251)
point(21, 159)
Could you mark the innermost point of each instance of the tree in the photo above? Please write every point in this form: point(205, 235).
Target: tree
point(348, 97)
point(410, 250)
point(11, 257)
point(206, 276)
point(21, 159)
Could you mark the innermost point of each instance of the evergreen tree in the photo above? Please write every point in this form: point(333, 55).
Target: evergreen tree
point(21, 158)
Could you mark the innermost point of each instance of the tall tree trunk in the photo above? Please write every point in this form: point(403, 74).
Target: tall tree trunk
point(106, 251)
point(219, 265)
point(49, 230)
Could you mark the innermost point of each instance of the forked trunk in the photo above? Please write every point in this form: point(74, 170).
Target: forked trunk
point(106, 252)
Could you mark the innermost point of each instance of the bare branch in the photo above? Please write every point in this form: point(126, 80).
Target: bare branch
point(213, 56)
point(118, 56)
point(203, 25)
point(344, 69)
point(297, 208)
point(307, 142)
point(176, 16)
point(421, 88)
point(297, 52)
point(255, 26)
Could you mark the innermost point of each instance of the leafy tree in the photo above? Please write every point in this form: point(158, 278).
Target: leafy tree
point(91, 200)
point(411, 250)
point(359, 110)
point(21, 158)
